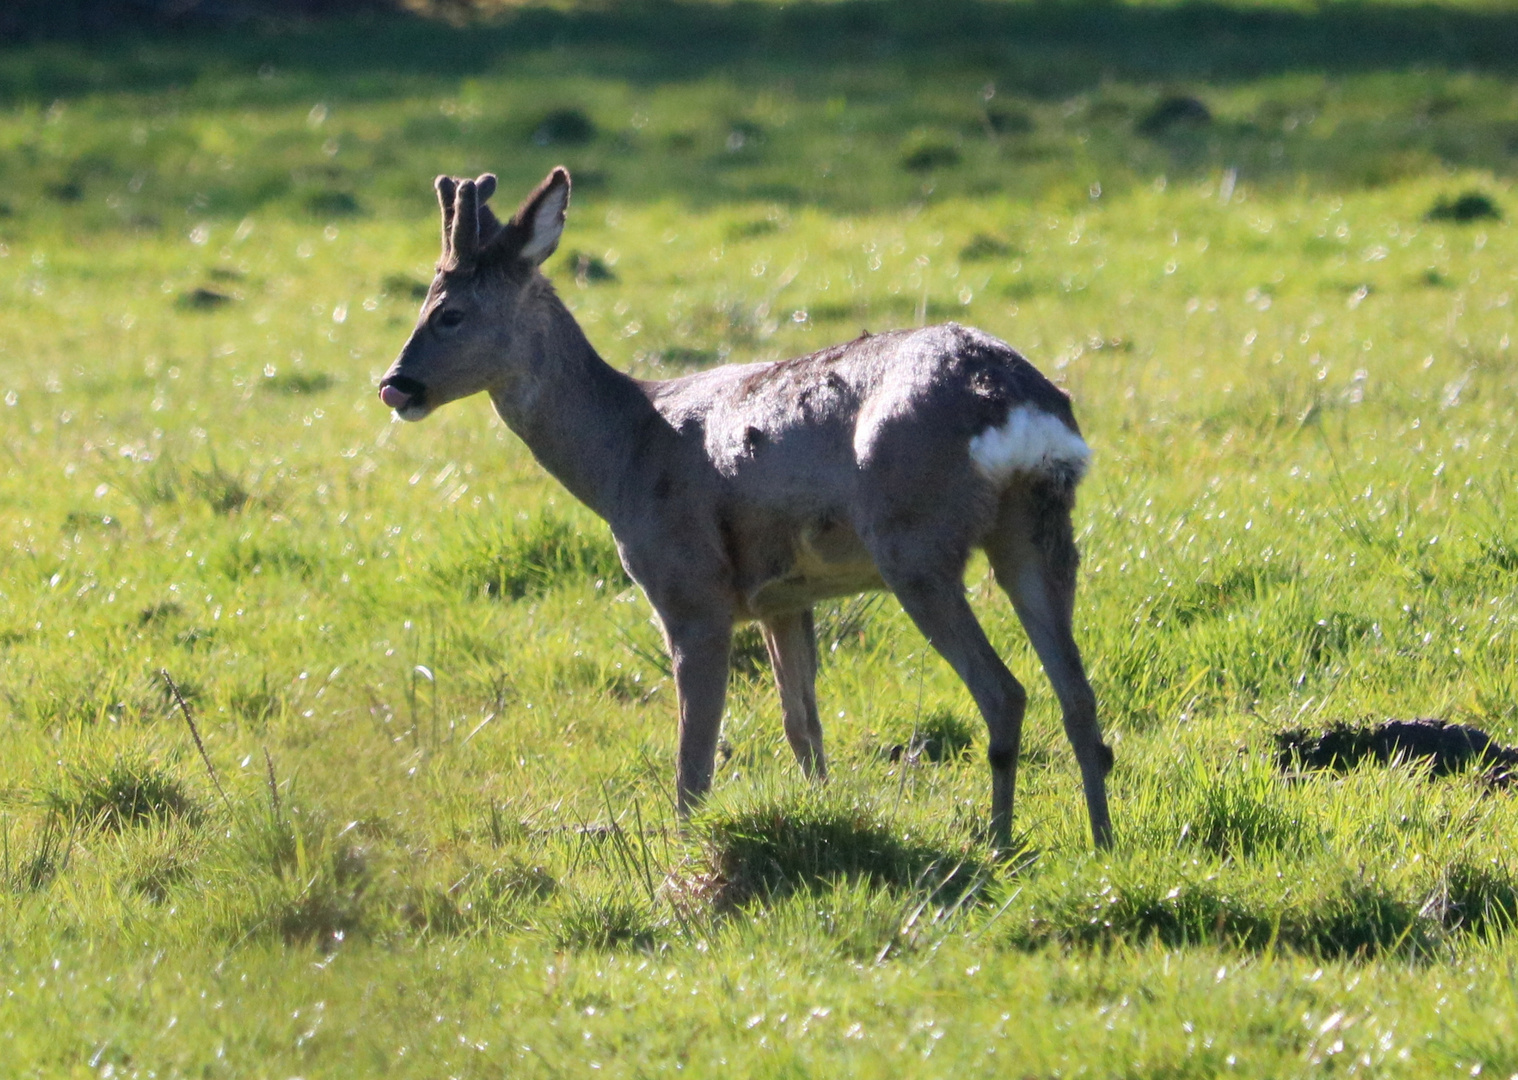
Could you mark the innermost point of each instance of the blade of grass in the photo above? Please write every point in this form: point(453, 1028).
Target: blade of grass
point(189, 719)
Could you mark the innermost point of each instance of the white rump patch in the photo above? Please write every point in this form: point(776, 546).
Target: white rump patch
point(1030, 441)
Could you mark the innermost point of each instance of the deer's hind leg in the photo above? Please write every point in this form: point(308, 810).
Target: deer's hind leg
point(931, 590)
point(792, 643)
point(1032, 551)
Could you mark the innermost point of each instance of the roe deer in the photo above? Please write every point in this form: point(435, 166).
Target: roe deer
point(751, 491)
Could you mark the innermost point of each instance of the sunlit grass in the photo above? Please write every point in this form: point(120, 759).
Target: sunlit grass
point(442, 716)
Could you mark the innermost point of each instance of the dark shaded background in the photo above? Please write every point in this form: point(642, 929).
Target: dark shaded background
point(24, 20)
point(1084, 91)
point(1202, 39)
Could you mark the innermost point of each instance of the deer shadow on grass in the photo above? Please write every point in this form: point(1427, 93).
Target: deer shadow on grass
point(770, 850)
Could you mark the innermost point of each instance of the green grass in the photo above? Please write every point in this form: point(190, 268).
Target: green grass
point(442, 716)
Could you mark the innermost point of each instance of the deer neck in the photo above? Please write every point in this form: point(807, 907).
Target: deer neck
point(580, 417)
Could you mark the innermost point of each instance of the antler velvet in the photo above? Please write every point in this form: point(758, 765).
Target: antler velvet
point(464, 211)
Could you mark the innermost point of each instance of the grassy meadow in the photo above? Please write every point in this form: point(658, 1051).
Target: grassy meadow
point(1267, 247)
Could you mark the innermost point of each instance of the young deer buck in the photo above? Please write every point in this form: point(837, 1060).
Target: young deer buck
point(751, 491)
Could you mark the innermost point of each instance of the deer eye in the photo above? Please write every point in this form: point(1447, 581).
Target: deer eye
point(448, 318)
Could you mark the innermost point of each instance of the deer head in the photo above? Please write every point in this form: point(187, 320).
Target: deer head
point(470, 325)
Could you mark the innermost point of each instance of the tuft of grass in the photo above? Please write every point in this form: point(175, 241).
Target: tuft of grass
point(67, 191)
point(938, 736)
point(531, 557)
point(1358, 920)
point(848, 623)
point(405, 288)
point(1235, 811)
point(245, 558)
point(602, 921)
point(744, 138)
point(223, 491)
point(1498, 556)
point(156, 874)
point(311, 885)
point(1142, 908)
point(203, 298)
point(331, 203)
point(1219, 592)
point(855, 920)
point(1142, 900)
point(983, 247)
point(682, 357)
point(1010, 121)
point(77, 520)
point(189, 689)
point(1334, 634)
point(926, 150)
point(563, 127)
point(588, 269)
point(747, 655)
point(750, 230)
point(195, 637)
point(32, 867)
point(494, 899)
point(160, 612)
point(1178, 112)
point(1476, 897)
point(297, 382)
point(257, 702)
point(127, 790)
point(602, 675)
point(157, 482)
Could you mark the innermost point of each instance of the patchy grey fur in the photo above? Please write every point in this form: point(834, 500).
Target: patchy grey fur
point(752, 491)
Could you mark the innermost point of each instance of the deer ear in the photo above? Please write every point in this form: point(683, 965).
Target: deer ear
point(539, 221)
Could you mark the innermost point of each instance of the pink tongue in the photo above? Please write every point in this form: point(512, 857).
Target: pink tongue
point(394, 398)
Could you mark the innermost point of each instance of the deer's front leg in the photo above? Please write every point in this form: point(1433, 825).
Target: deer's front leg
point(699, 649)
point(792, 643)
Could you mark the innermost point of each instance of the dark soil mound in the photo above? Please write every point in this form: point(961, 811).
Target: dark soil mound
point(1471, 206)
point(1443, 747)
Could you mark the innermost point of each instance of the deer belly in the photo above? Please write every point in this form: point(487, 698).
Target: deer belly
point(825, 561)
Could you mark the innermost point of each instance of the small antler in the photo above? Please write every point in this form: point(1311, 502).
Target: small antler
point(464, 212)
point(465, 240)
point(446, 187)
